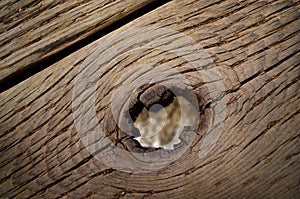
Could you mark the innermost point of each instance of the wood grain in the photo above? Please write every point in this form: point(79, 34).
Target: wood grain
point(255, 46)
point(32, 31)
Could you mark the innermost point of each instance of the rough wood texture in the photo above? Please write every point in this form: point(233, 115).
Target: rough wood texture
point(31, 31)
point(255, 46)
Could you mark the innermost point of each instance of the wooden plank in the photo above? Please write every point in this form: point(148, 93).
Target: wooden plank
point(254, 46)
point(32, 31)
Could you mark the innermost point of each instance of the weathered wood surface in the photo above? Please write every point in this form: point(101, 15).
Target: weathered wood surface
point(31, 31)
point(254, 44)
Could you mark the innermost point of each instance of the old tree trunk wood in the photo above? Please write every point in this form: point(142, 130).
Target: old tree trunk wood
point(255, 47)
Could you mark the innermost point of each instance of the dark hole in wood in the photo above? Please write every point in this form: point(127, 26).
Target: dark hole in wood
point(154, 94)
point(149, 95)
point(145, 97)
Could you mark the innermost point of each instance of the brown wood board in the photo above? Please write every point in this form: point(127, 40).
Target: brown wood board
point(34, 32)
point(255, 47)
